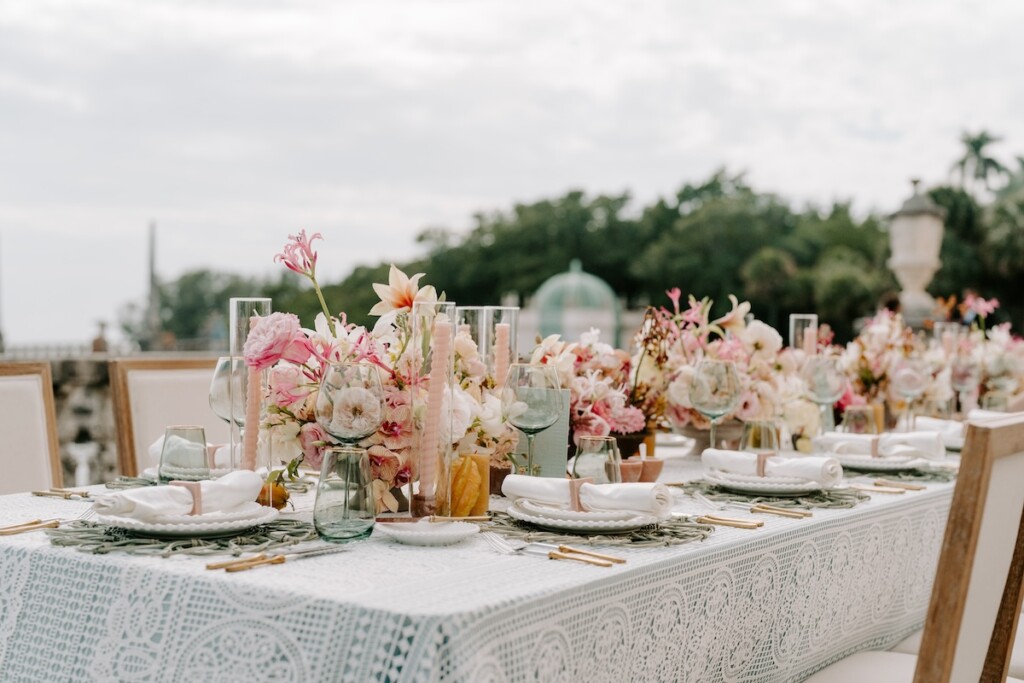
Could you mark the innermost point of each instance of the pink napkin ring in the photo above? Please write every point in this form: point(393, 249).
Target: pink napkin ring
point(196, 490)
point(875, 440)
point(574, 493)
point(762, 459)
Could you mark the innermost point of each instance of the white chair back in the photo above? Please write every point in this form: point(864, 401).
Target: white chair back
point(971, 621)
point(30, 454)
point(151, 394)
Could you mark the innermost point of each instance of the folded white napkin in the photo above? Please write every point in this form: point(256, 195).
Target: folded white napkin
point(979, 414)
point(927, 445)
point(826, 471)
point(951, 431)
point(648, 499)
point(226, 494)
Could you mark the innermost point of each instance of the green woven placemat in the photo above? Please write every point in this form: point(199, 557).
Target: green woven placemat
point(91, 537)
point(841, 498)
point(938, 476)
point(671, 532)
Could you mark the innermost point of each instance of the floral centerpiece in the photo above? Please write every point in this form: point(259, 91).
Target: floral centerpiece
point(870, 358)
point(597, 376)
point(690, 335)
point(295, 359)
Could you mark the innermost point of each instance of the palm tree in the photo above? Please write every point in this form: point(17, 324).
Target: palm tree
point(975, 158)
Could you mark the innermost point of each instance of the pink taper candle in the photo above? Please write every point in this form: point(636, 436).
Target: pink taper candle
point(441, 346)
point(252, 420)
point(811, 340)
point(501, 347)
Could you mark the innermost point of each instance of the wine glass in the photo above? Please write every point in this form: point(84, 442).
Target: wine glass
point(532, 401)
point(715, 391)
point(227, 398)
point(825, 383)
point(964, 376)
point(350, 403)
point(910, 379)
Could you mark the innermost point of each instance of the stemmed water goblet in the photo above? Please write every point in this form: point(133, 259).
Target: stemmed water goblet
point(532, 401)
point(964, 376)
point(910, 378)
point(350, 407)
point(825, 383)
point(715, 391)
point(227, 398)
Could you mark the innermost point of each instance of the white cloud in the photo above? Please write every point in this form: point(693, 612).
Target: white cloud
point(236, 122)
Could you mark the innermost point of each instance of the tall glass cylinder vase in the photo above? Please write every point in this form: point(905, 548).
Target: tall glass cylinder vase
point(431, 399)
point(242, 315)
point(494, 329)
point(803, 332)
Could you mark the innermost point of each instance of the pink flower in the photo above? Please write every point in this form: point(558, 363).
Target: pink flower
point(589, 424)
point(273, 338)
point(736, 319)
point(312, 438)
point(980, 306)
point(298, 255)
point(695, 314)
point(401, 292)
point(674, 295)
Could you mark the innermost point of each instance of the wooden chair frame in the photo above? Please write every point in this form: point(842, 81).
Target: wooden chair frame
point(49, 407)
point(120, 395)
point(985, 444)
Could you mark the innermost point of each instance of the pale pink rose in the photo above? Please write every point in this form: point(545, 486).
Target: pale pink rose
point(276, 337)
point(313, 439)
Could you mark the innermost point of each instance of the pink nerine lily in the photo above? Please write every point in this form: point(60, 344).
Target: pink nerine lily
point(401, 292)
point(298, 255)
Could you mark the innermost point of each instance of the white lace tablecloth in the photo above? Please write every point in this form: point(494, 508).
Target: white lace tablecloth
point(754, 606)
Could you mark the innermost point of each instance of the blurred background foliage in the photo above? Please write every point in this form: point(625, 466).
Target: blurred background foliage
point(713, 238)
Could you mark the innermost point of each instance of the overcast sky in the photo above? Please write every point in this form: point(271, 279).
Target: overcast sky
point(234, 122)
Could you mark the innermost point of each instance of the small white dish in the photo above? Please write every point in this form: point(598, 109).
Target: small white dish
point(427, 533)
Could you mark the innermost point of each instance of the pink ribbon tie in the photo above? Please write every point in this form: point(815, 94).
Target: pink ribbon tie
point(762, 460)
point(196, 490)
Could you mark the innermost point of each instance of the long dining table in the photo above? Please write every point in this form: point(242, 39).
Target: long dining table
point(772, 604)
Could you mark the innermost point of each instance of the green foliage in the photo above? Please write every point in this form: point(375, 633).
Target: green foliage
point(711, 238)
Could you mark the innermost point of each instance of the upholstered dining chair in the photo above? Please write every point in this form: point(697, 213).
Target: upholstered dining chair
point(149, 394)
point(30, 455)
point(976, 598)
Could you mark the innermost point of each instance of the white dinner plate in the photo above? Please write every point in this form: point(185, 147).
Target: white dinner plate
point(532, 507)
point(776, 486)
point(584, 526)
point(870, 464)
point(196, 526)
point(427, 533)
point(152, 474)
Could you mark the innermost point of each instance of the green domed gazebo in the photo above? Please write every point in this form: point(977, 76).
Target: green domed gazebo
point(573, 302)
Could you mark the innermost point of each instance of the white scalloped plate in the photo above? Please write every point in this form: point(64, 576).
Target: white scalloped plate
point(532, 507)
point(196, 526)
point(428, 533)
point(776, 486)
point(153, 473)
point(582, 526)
point(868, 463)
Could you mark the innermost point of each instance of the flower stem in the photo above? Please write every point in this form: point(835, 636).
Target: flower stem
point(323, 305)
